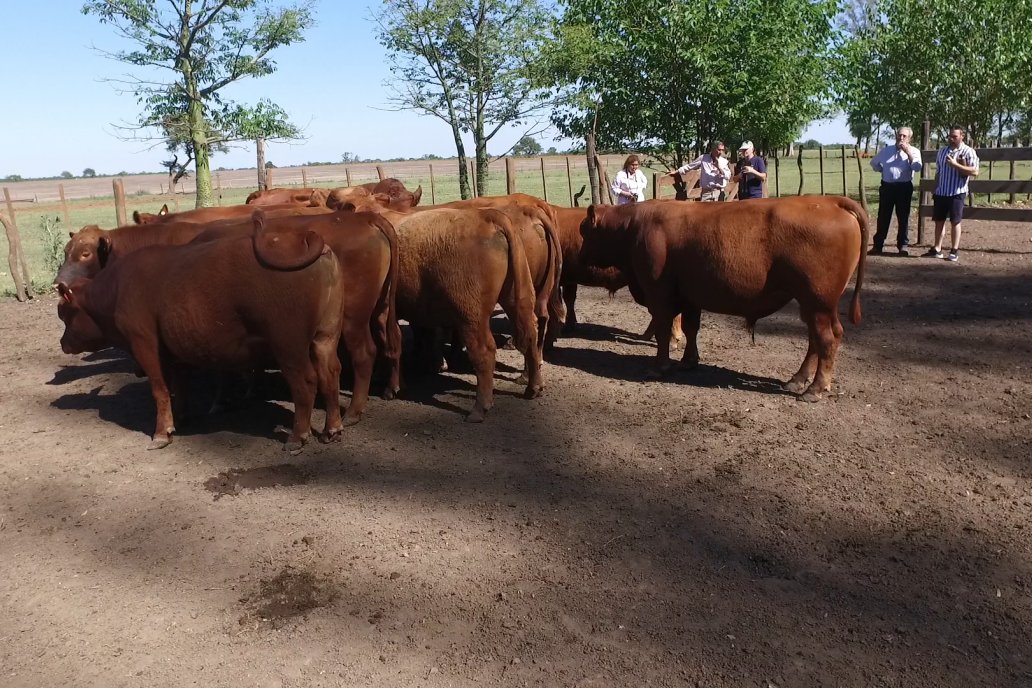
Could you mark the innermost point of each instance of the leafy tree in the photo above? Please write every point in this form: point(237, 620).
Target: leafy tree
point(348, 157)
point(13, 178)
point(67, 175)
point(206, 45)
point(666, 78)
point(527, 146)
point(961, 63)
point(466, 62)
point(89, 172)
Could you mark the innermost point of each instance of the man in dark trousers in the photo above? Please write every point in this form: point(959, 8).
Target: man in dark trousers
point(897, 165)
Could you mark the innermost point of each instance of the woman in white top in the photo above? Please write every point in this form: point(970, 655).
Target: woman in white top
point(629, 184)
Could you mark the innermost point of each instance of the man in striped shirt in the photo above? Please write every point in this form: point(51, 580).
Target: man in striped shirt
point(954, 165)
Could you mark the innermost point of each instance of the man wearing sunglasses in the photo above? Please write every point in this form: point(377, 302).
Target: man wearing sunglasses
point(715, 172)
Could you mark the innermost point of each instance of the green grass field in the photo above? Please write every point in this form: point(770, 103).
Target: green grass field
point(783, 180)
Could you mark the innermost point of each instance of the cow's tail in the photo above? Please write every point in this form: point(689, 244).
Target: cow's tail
point(523, 298)
point(556, 307)
point(284, 251)
point(860, 214)
point(388, 330)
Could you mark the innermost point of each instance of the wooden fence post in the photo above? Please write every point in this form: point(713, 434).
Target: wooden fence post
point(510, 175)
point(544, 184)
point(1013, 197)
point(474, 184)
point(120, 214)
point(569, 179)
point(347, 174)
point(821, 161)
point(380, 173)
point(433, 193)
point(304, 178)
point(15, 255)
point(821, 168)
point(218, 186)
point(64, 202)
point(799, 161)
point(777, 177)
point(845, 190)
point(926, 135)
point(268, 177)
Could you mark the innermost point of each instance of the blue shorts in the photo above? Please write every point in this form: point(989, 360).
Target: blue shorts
point(948, 206)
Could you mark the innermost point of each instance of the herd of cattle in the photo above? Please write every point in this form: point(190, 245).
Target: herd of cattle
point(283, 281)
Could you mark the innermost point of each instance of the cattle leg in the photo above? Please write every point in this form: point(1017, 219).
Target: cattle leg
point(676, 332)
point(481, 349)
point(569, 298)
point(327, 373)
point(147, 357)
point(302, 380)
point(829, 336)
point(663, 320)
point(797, 384)
point(690, 321)
point(362, 350)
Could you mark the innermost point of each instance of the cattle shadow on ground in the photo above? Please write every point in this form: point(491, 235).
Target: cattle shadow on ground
point(636, 368)
point(74, 372)
point(594, 332)
point(427, 389)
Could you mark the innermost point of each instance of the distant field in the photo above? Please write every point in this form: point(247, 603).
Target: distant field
point(90, 201)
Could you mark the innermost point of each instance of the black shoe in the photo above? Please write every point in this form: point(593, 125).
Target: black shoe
point(903, 251)
point(875, 252)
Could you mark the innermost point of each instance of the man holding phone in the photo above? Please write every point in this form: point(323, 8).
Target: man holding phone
point(955, 163)
point(897, 165)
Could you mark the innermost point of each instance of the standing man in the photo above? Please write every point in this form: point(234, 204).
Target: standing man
point(897, 166)
point(751, 171)
point(955, 163)
point(715, 172)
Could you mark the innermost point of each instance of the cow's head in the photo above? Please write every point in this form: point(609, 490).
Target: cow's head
point(318, 198)
point(150, 218)
point(81, 332)
point(86, 253)
point(602, 246)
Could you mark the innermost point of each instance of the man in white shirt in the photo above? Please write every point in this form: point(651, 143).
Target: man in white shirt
point(715, 172)
point(897, 165)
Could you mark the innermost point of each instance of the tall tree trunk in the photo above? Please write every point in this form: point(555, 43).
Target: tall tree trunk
point(263, 184)
point(589, 151)
point(482, 170)
point(460, 151)
point(202, 166)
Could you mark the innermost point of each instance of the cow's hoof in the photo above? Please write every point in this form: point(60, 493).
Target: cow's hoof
point(477, 415)
point(294, 445)
point(335, 435)
point(159, 442)
point(390, 393)
point(533, 391)
point(350, 420)
point(795, 387)
point(690, 365)
point(522, 379)
point(810, 397)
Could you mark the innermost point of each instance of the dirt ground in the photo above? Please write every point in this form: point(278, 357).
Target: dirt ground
point(708, 530)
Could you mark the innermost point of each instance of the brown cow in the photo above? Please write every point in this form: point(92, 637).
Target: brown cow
point(367, 247)
point(302, 197)
point(229, 212)
point(401, 201)
point(747, 259)
point(456, 264)
point(214, 305)
point(577, 272)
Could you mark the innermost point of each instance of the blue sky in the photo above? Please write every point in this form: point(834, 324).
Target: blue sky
point(63, 112)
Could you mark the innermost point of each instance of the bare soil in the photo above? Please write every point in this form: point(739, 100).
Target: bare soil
point(706, 530)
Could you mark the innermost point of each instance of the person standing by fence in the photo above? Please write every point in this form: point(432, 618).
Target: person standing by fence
point(751, 171)
point(630, 182)
point(715, 172)
point(897, 165)
point(955, 163)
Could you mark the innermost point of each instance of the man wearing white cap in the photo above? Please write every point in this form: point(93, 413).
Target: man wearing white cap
point(751, 171)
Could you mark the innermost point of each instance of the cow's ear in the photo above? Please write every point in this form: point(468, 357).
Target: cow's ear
point(592, 217)
point(416, 195)
point(71, 234)
point(164, 209)
point(103, 250)
point(136, 217)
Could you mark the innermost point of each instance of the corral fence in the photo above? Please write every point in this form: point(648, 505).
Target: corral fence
point(108, 201)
